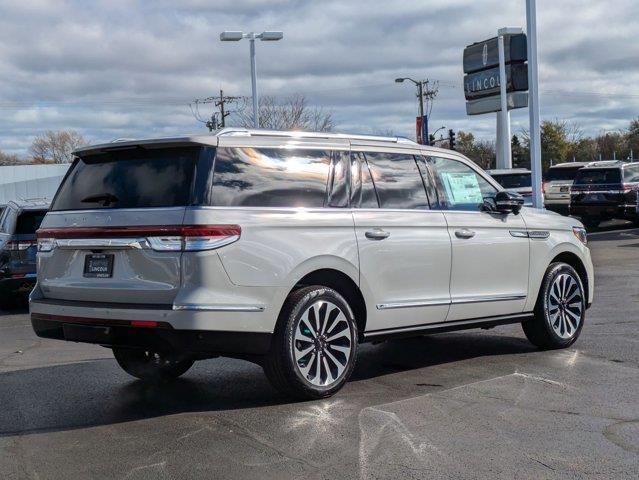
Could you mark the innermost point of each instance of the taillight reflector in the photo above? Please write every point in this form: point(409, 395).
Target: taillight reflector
point(144, 324)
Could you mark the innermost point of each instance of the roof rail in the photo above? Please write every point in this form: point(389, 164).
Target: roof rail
point(245, 132)
point(123, 139)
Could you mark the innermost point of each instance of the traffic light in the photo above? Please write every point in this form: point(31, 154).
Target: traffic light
point(451, 139)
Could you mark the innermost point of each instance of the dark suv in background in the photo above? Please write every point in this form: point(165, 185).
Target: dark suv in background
point(18, 246)
point(605, 191)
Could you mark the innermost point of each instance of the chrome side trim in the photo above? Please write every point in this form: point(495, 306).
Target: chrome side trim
point(110, 243)
point(453, 325)
point(415, 304)
point(444, 301)
point(487, 299)
point(539, 234)
point(519, 233)
point(201, 307)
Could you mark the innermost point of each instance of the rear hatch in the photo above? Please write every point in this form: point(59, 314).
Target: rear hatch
point(598, 186)
point(558, 183)
point(517, 182)
point(115, 219)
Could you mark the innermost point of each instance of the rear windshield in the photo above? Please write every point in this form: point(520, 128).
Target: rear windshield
point(129, 178)
point(599, 176)
point(564, 173)
point(29, 222)
point(518, 180)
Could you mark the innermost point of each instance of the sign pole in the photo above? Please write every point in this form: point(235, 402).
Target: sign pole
point(503, 135)
point(533, 84)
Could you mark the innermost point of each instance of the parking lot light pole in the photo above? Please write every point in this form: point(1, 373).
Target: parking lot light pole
point(533, 84)
point(267, 36)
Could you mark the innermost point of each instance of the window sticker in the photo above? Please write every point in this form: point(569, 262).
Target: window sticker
point(462, 188)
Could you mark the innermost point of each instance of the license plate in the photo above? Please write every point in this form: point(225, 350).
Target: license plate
point(564, 189)
point(98, 265)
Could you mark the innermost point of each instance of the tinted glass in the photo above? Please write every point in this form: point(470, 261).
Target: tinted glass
point(29, 222)
point(631, 174)
point(270, 177)
point(397, 181)
point(520, 180)
point(598, 176)
point(129, 178)
point(339, 184)
point(362, 191)
point(561, 173)
point(459, 186)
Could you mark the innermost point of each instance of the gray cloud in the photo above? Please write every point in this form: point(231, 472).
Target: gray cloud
point(116, 68)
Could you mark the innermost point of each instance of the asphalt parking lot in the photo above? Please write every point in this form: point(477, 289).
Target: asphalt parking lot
point(478, 404)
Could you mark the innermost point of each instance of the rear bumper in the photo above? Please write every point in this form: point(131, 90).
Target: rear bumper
point(119, 333)
point(609, 211)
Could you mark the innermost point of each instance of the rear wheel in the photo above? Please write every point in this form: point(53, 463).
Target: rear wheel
point(560, 310)
point(314, 345)
point(152, 366)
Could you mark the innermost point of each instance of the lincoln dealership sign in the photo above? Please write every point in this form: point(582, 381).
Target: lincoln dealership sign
point(482, 80)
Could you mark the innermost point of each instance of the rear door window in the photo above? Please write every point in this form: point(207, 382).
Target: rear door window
point(129, 178)
point(362, 191)
point(631, 174)
point(269, 177)
point(598, 176)
point(339, 190)
point(29, 221)
point(397, 181)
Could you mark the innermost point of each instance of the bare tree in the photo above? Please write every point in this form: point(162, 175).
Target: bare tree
point(9, 159)
point(56, 146)
point(293, 113)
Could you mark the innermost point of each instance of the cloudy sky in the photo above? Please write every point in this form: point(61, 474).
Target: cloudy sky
point(116, 68)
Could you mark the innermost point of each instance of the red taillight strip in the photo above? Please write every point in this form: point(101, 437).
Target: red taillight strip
point(137, 231)
point(100, 321)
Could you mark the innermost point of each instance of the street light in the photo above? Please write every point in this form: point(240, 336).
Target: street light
point(268, 36)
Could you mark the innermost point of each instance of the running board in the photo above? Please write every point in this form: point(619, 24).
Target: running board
point(441, 327)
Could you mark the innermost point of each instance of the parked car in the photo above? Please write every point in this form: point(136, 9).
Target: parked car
point(289, 249)
point(557, 183)
point(515, 180)
point(18, 224)
point(604, 191)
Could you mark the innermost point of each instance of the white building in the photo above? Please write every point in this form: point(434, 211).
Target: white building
point(21, 182)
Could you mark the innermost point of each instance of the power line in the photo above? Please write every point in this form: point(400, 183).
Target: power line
point(220, 101)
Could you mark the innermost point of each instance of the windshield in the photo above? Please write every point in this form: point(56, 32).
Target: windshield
point(514, 180)
point(564, 173)
point(599, 176)
point(130, 178)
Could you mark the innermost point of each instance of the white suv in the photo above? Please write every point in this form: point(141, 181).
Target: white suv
point(289, 249)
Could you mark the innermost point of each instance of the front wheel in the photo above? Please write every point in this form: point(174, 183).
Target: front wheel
point(560, 310)
point(152, 366)
point(314, 346)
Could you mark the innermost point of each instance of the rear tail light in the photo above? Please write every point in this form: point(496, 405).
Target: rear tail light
point(185, 238)
point(630, 188)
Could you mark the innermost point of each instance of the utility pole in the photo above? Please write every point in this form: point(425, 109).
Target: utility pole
point(214, 122)
point(426, 96)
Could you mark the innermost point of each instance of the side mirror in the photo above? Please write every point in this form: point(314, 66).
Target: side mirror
point(508, 202)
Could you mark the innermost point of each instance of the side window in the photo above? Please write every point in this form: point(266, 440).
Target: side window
point(363, 191)
point(29, 221)
point(397, 181)
point(339, 191)
point(270, 177)
point(459, 187)
point(631, 174)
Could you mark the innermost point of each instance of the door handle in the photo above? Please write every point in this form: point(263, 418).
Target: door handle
point(464, 233)
point(377, 234)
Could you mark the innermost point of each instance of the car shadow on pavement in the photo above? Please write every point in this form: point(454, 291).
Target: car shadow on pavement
point(96, 393)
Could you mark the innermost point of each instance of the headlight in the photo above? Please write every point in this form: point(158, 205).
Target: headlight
point(581, 234)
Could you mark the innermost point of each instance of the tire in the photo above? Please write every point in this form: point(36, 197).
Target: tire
point(152, 366)
point(560, 310)
point(319, 321)
point(591, 222)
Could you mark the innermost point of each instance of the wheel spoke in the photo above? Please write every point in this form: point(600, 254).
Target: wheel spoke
point(339, 365)
point(304, 370)
point(302, 353)
point(309, 325)
point(329, 374)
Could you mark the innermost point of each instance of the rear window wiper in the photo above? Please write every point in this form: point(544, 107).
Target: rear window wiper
point(106, 199)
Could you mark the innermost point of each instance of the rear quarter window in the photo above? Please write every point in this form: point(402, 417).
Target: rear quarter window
point(267, 177)
point(29, 221)
point(130, 178)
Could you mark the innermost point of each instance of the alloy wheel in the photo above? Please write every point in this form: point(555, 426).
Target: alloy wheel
point(322, 344)
point(565, 305)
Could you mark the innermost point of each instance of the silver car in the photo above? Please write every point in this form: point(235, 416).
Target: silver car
point(557, 183)
point(289, 249)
